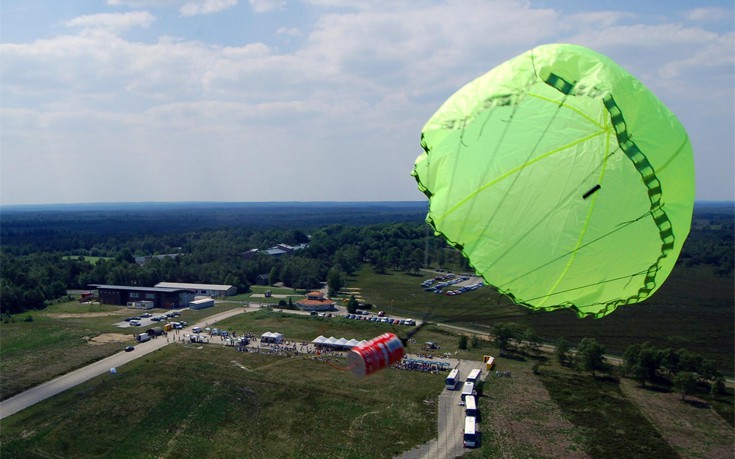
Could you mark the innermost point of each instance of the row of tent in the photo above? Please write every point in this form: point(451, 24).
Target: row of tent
point(340, 343)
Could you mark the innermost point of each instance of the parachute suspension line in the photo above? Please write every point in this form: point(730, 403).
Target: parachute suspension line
point(640, 273)
point(564, 255)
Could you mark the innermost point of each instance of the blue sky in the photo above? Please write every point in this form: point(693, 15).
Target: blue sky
point(313, 100)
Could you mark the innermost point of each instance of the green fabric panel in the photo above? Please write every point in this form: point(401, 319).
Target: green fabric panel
point(509, 163)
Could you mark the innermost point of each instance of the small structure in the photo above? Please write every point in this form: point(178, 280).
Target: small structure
point(140, 304)
point(271, 338)
point(202, 303)
point(315, 301)
point(489, 362)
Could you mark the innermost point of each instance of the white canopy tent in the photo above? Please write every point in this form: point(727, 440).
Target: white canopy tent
point(268, 337)
point(334, 343)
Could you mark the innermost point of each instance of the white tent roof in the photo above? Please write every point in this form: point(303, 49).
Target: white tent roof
point(319, 340)
point(352, 343)
point(341, 342)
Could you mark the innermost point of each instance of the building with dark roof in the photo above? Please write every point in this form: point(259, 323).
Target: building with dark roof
point(166, 298)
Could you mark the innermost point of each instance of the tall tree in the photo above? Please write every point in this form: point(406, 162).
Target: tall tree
point(590, 356)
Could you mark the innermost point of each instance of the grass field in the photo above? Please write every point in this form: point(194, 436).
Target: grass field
point(59, 339)
point(694, 309)
point(187, 401)
point(211, 401)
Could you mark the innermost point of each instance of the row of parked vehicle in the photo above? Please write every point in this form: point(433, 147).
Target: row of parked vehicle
point(135, 320)
point(431, 285)
point(387, 320)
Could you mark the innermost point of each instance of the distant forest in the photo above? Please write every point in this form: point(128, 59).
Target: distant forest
point(46, 250)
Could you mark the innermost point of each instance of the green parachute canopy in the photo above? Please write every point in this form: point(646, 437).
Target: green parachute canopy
point(564, 181)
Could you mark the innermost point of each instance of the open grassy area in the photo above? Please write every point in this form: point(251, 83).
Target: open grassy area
point(209, 401)
point(60, 339)
point(693, 310)
point(607, 423)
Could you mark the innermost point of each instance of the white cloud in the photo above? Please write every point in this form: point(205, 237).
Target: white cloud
point(194, 8)
point(292, 31)
point(708, 14)
point(352, 93)
point(264, 6)
point(112, 22)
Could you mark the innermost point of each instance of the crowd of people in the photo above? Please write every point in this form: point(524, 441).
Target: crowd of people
point(421, 365)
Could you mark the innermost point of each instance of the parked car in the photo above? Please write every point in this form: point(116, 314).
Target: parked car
point(129, 348)
point(135, 323)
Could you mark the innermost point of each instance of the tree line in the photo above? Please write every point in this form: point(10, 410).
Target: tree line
point(333, 253)
point(681, 369)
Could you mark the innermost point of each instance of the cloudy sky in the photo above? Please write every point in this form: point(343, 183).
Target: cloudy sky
point(307, 100)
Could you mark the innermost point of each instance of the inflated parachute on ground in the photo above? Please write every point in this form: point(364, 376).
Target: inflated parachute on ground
point(563, 180)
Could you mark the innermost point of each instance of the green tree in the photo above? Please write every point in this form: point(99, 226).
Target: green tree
point(463, 342)
point(273, 276)
point(335, 280)
point(686, 383)
point(641, 362)
point(475, 342)
point(502, 333)
point(590, 356)
point(352, 305)
point(531, 341)
point(563, 351)
point(717, 387)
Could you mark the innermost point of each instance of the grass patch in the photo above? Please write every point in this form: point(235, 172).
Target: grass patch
point(187, 402)
point(608, 423)
point(56, 341)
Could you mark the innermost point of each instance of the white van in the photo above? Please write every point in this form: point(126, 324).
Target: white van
point(470, 406)
point(467, 389)
point(469, 436)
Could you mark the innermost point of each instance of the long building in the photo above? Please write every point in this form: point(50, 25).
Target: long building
point(212, 290)
point(166, 298)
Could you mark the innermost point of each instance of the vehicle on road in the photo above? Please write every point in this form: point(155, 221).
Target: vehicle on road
point(129, 348)
point(467, 390)
point(470, 406)
point(474, 376)
point(469, 436)
point(452, 379)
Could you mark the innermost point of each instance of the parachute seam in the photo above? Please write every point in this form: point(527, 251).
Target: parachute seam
point(658, 214)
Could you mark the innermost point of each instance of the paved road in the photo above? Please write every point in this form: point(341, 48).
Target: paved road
point(69, 380)
point(450, 421)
